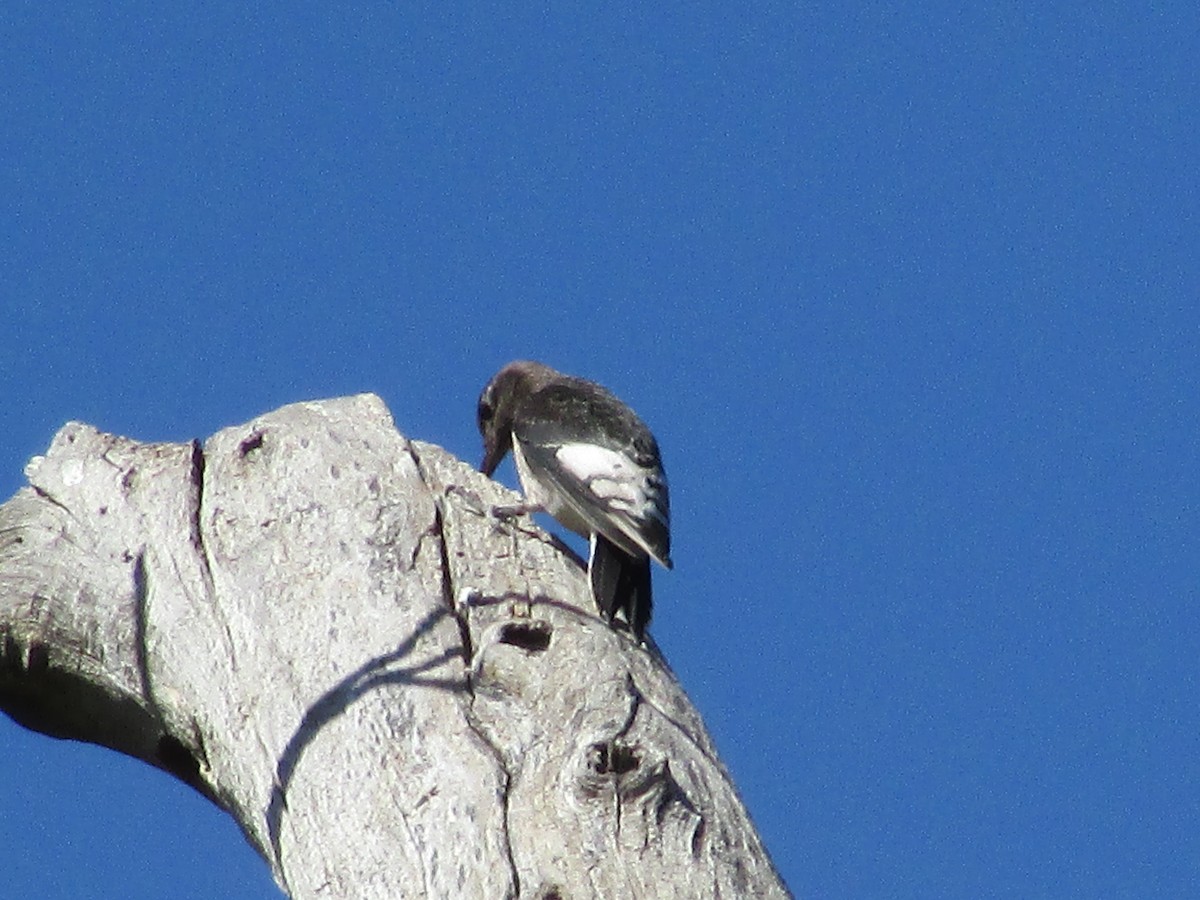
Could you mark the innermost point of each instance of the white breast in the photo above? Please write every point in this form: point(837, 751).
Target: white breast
point(539, 493)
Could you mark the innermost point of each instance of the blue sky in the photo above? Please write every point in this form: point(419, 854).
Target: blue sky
point(910, 296)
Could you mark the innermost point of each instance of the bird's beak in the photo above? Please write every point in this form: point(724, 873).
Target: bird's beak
point(493, 452)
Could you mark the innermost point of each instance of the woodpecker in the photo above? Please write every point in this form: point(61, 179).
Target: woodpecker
point(586, 458)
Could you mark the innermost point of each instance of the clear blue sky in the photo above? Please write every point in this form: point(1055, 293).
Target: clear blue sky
point(910, 296)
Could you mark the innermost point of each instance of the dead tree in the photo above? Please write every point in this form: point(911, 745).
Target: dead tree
point(319, 625)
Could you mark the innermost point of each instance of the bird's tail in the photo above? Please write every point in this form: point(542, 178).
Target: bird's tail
point(620, 584)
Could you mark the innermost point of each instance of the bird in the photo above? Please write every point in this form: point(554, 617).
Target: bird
point(585, 458)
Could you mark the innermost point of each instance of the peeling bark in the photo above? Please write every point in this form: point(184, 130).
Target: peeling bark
point(317, 624)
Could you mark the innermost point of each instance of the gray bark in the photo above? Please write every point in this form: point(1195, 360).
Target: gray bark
point(317, 624)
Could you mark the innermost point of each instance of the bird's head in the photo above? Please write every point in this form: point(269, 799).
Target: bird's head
point(499, 404)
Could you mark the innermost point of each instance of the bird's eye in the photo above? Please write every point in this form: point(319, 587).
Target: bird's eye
point(486, 411)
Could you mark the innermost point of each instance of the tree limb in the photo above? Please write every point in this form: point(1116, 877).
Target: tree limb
point(317, 624)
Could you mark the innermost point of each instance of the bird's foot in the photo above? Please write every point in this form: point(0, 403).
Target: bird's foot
point(504, 517)
point(514, 510)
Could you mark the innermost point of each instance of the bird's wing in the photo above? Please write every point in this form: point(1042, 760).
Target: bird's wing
point(603, 460)
point(611, 492)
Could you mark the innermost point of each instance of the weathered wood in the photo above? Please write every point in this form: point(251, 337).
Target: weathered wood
point(316, 623)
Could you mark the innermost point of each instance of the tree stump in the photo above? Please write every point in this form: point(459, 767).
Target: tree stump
point(319, 625)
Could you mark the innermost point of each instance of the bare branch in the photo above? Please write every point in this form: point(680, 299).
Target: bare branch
point(318, 625)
